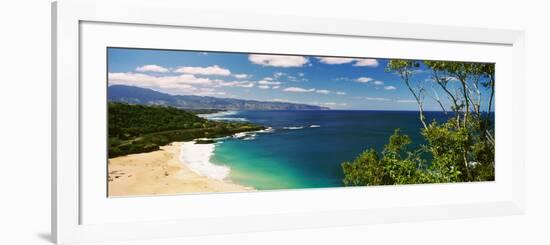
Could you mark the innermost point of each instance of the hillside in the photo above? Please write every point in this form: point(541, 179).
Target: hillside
point(139, 128)
point(143, 96)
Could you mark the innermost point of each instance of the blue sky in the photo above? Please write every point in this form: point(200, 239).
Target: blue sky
point(335, 82)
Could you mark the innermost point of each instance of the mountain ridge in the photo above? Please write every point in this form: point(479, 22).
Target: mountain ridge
point(145, 96)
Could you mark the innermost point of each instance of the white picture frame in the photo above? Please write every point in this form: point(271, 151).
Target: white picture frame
point(70, 199)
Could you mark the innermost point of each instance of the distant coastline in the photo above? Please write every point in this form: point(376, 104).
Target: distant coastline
point(145, 96)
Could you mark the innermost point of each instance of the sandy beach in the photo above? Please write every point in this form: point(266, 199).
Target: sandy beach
point(161, 172)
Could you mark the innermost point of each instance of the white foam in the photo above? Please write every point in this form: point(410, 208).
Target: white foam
point(240, 135)
point(251, 137)
point(233, 119)
point(197, 158)
point(293, 128)
point(219, 139)
point(217, 114)
point(222, 116)
point(267, 130)
point(314, 126)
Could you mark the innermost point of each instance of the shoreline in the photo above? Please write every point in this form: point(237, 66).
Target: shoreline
point(196, 157)
point(165, 171)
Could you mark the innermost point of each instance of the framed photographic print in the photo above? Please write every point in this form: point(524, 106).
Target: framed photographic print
point(168, 125)
point(207, 122)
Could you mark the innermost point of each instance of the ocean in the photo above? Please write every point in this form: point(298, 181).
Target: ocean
point(305, 149)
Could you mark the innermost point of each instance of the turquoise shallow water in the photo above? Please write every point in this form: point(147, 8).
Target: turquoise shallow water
point(297, 155)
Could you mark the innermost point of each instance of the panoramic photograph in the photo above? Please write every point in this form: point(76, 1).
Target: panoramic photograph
point(198, 122)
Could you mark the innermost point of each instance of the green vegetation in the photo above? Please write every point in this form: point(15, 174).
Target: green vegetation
point(139, 128)
point(205, 141)
point(461, 149)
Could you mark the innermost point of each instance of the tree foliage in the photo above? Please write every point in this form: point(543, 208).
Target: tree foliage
point(460, 149)
point(395, 165)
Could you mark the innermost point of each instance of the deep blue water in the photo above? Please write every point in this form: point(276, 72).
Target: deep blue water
point(307, 157)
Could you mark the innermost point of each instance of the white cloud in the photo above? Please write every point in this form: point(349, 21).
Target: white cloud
point(268, 78)
point(390, 88)
point(377, 99)
point(208, 92)
point(266, 82)
point(406, 101)
point(340, 93)
point(278, 60)
point(323, 91)
point(298, 90)
point(378, 83)
point(281, 100)
point(364, 79)
point(366, 62)
point(140, 79)
point(179, 84)
point(297, 79)
point(304, 90)
point(334, 104)
point(191, 79)
point(210, 70)
point(264, 87)
point(335, 61)
point(152, 68)
point(242, 84)
point(229, 84)
point(355, 61)
point(241, 76)
point(342, 79)
point(276, 87)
